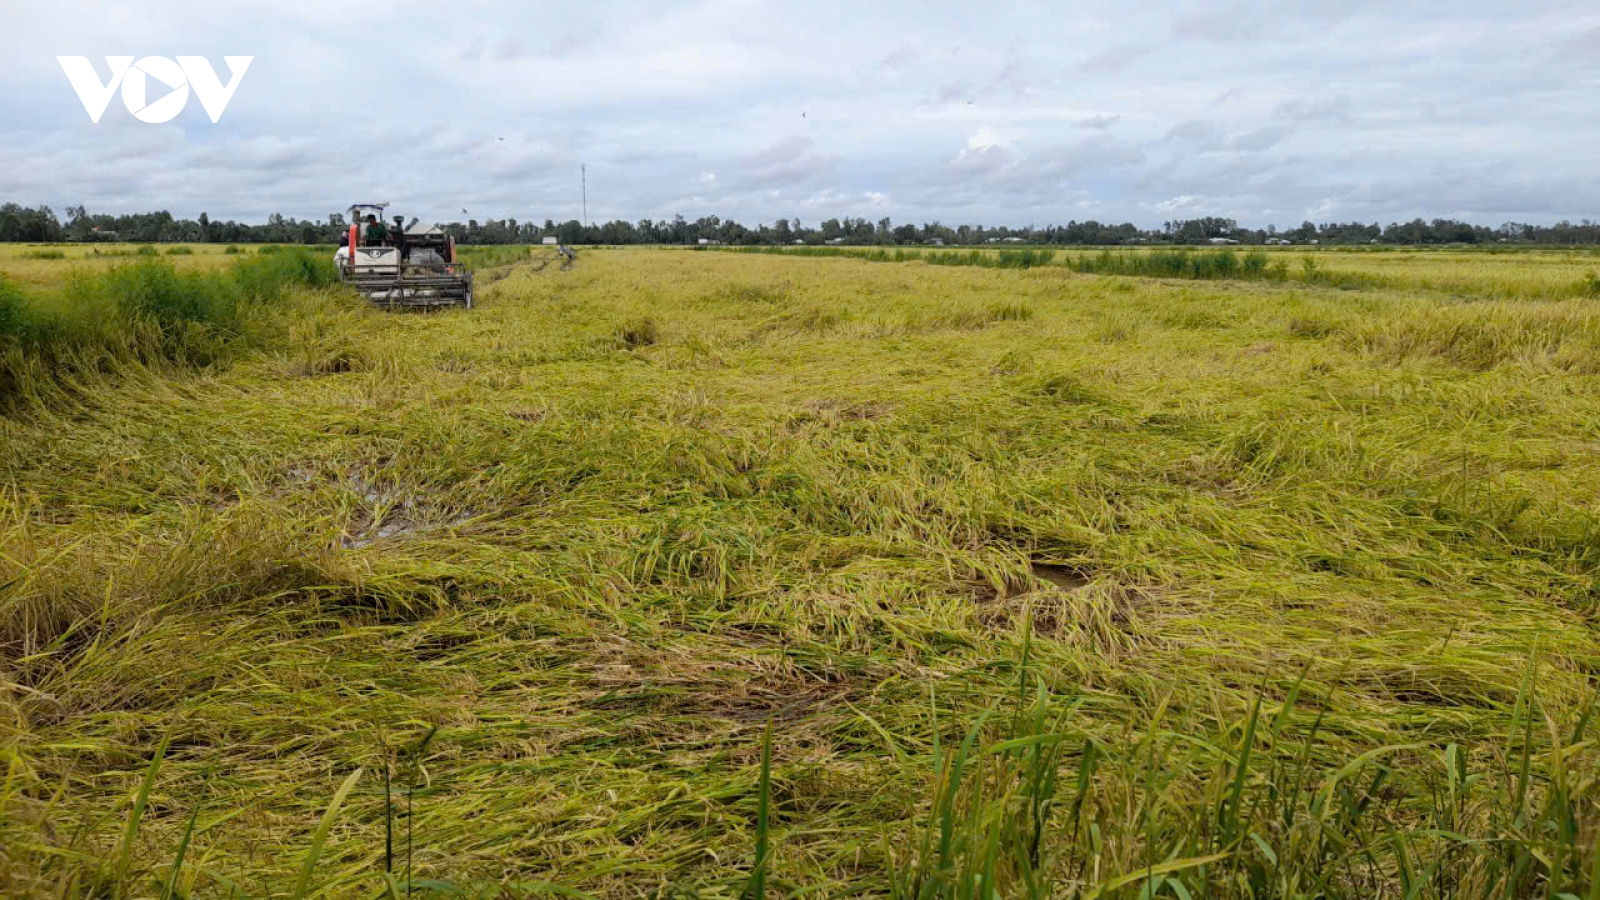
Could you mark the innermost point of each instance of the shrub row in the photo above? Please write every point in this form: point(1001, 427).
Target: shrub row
point(1025, 258)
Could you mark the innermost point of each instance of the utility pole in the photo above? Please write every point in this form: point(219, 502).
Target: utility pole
point(584, 169)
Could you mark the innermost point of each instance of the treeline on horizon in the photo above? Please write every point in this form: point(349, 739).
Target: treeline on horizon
point(42, 225)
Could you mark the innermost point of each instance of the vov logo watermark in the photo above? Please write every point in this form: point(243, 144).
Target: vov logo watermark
point(135, 77)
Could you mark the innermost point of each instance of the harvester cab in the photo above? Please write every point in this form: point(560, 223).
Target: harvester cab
point(401, 265)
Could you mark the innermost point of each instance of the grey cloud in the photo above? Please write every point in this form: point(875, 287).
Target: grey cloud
point(1016, 174)
point(1219, 24)
point(1584, 47)
point(1260, 139)
point(1100, 122)
point(1114, 59)
point(1226, 97)
point(1311, 109)
point(1258, 20)
point(902, 57)
point(791, 161)
point(1196, 131)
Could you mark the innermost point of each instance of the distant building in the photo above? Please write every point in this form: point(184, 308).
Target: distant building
point(1013, 240)
point(549, 240)
point(1223, 240)
point(834, 242)
point(798, 241)
point(709, 242)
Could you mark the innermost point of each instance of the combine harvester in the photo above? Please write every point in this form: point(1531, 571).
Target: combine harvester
point(401, 266)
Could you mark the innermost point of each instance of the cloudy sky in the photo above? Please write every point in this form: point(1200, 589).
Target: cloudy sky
point(993, 112)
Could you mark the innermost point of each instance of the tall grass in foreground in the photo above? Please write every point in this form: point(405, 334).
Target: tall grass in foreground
point(1030, 805)
point(138, 314)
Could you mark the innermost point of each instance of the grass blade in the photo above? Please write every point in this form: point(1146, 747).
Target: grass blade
point(757, 887)
point(177, 859)
point(140, 800)
point(303, 883)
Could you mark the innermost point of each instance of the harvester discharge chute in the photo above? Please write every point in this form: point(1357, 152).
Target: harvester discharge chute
point(401, 265)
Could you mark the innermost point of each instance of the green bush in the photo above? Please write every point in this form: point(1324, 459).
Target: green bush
point(263, 278)
point(1210, 265)
point(142, 312)
point(232, 249)
point(1023, 258)
point(11, 305)
point(179, 251)
point(155, 291)
point(477, 258)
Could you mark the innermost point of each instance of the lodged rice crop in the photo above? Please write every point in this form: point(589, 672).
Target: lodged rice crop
point(716, 574)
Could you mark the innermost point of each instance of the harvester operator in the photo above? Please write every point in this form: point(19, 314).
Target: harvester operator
point(376, 233)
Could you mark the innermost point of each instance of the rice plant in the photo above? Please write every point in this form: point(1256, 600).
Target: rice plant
point(135, 315)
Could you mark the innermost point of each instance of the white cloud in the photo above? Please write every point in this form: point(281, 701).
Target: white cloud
point(1185, 203)
point(984, 138)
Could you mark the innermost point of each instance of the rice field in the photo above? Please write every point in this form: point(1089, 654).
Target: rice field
point(715, 574)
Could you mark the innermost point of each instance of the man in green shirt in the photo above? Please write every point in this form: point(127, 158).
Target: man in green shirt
point(376, 233)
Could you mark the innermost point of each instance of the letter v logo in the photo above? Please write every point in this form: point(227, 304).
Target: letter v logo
point(214, 96)
point(91, 92)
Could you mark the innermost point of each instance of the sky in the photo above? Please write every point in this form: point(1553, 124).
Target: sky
point(976, 112)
